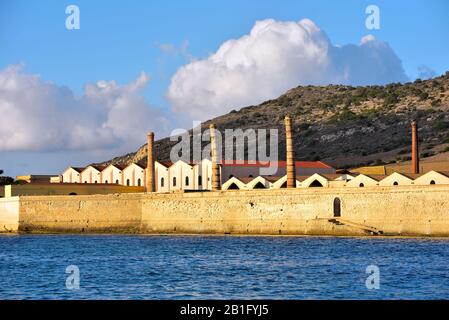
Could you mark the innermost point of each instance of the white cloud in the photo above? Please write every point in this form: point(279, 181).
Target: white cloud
point(39, 115)
point(273, 58)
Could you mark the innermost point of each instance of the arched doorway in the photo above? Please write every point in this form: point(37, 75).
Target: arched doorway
point(259, 185)
point(233, 186)
point(337, 207)
point(316, 184)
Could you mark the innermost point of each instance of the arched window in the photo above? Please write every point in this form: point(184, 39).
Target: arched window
point(361, 185)
point(95, 182)
point(117, 182)
point(139, 182)
point(233, 186)
point(432, 182)
point(200, 180)
point(127, 182)
point(259, 185)
point(395, 183)
point(187, 181)
point(72, 194)
point(231, 176)
point(85, 181)
point(337, 207)
point(316, 184)
point(250, 176)
point(174, 181)
point(162, 182)
point(106, 182)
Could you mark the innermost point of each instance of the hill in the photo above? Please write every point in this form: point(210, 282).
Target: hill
point(344, 126)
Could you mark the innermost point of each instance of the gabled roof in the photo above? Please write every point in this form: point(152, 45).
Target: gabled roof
point(137, 164)
point(376, 177)
point(299, 164)
point(118, 166)
point(444, 173)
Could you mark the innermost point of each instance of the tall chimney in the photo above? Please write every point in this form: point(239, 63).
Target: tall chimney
point(216, 181)
point(291, 171)
point(415, 148)
point(150, 163)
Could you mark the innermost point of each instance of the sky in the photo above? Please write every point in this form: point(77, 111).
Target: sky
point(73, 97)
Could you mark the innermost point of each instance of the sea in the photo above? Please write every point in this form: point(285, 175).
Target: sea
point(42, 267)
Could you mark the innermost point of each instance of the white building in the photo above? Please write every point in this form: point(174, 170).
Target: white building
point(134, 175)
point(91, 174)
point(188, 176)
point(71, 175)
point(112, 174)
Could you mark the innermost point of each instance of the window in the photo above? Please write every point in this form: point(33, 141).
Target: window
point(231, 176)
point(259, 185)
point(116, 182)
point(361, 185)
point(174, 181)
point(162, 182)
point(432, 182)
point(233, 186)
point(95, 181)
point(106, 182)
point(187, 181)
point(200, 180)
point(139, 182)
point(316, 184)
point(250, 176)
point(395, 183)
point(127, 182)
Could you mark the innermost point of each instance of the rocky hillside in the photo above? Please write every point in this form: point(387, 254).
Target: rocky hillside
point(343, 125)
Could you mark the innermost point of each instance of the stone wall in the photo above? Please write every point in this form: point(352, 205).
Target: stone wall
point(120, 213)
point(399, 210)
point(408, 210)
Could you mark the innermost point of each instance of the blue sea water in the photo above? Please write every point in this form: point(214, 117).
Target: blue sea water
point(228, 267)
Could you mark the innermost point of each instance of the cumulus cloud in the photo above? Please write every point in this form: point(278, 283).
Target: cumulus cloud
point(274, 57)
point(39, 115)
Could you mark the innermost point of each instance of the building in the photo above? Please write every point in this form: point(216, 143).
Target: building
point(91, 174)
point(112, 174)
point(71, 175)
point(134, 175)
point(34, 178)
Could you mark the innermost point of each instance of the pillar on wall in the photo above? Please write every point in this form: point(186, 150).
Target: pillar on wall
point(150, 163)
point(291, 171)
point(415, 148)
point(216, 180)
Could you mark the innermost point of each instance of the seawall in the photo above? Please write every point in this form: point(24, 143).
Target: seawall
point(398, 210)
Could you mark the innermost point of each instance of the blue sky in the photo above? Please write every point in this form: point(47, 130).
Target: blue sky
point(118, 40)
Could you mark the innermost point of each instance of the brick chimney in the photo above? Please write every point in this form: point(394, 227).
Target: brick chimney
point(216, 180)
point(150, 163)
point(291, 171)
point(415, 148)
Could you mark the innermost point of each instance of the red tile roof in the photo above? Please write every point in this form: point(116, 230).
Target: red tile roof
point(299, 164)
